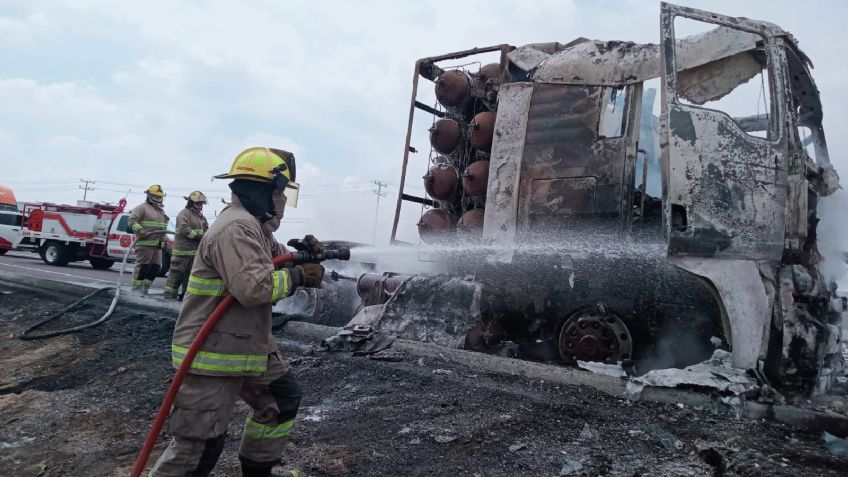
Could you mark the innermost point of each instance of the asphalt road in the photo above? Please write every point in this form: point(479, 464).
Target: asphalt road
point(77, 272)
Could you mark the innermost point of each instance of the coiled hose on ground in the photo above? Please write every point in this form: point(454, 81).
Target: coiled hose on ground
point(27, 333)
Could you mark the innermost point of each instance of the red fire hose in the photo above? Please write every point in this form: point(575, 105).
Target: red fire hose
point(165, 407)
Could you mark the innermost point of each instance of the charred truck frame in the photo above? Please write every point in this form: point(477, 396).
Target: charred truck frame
point(544, 164)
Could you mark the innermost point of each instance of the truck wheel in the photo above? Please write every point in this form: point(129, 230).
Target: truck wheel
point(166, 264)
point(54, 253)
point(3, 251)
point(100, 263)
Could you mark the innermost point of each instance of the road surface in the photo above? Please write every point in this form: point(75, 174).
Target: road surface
point(76, 272)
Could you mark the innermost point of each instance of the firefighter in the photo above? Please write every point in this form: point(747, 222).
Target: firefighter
point(191, 225)
point(240, 358)
point(149, 222)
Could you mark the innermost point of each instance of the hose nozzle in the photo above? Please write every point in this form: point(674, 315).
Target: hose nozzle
point(338, 254)
point(306, 257)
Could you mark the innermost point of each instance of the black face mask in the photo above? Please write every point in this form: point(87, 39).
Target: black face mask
point(256, 197)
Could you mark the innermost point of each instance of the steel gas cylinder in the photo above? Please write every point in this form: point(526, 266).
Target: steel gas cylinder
point(475, 179)
point(481, 130)
point(487, 79)
point(442, 181)
point(435, 225)
point(453, 87)
point(470, 225)
point(445, 135)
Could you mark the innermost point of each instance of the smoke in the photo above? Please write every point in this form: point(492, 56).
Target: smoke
point(833, 237)
point(679, 343)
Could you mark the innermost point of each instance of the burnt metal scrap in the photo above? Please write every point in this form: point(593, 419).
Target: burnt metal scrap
point(539, 200)
point(407, 305)
point(717, 375)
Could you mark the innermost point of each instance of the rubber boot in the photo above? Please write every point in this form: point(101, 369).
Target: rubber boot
point(256, 469)
point(211, 451)
point(141, 284)
point(170, 293)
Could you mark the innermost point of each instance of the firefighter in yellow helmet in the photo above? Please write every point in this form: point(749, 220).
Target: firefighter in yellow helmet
point(149, 222)
point(240, 357)
point(191, 225)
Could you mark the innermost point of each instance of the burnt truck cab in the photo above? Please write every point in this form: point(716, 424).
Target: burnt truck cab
point(583, 257)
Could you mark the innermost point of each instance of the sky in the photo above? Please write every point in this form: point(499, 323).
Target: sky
point(131, 93)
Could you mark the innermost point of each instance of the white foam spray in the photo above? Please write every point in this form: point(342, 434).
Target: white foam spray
point(431, 259)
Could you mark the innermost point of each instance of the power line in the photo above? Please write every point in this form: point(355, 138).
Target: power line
point(380, 193)
point(307, 187)
point(86, 187)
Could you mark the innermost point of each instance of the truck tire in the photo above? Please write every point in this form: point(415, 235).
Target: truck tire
point(54, 253)
point(100, 263)
point(3, 251)
point(166, 264)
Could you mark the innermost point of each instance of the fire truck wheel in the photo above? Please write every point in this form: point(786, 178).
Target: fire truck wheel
point(54, 253)
point(3, 251)
point(100, 263)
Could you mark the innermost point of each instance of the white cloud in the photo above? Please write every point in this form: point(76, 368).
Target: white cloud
point(181, 87)
point(123, 143)
point(308, 171)
point(9, 142)
point(65, 141)
point(64, 105)
point(153, 74)
point(13, 30)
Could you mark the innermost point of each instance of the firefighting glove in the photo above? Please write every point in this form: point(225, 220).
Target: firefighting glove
point(313, 245)
point(308, 244)
point(307, 275)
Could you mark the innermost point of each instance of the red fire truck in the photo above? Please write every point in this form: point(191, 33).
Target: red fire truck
point(61, 234)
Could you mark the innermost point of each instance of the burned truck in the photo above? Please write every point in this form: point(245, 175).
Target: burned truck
point(588, 220)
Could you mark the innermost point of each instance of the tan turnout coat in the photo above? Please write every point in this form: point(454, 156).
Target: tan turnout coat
point(234, 257)
point(191, 226)
point(146, 216)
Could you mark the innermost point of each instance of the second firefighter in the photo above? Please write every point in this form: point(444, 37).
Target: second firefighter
point(191, 225)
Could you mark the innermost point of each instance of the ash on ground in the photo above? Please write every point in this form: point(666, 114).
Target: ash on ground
point(81, 404)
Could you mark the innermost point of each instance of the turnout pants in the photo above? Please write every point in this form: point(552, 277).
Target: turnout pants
point(148, 262)
point(178, 274)
point(204, 407)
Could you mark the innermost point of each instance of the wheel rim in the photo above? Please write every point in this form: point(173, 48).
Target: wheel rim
point(52, 253)
point(595, 335)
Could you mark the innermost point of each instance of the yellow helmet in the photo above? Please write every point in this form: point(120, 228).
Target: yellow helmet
point(257, 164)
point(155, 190)
point(264, 164)
point(196, 197)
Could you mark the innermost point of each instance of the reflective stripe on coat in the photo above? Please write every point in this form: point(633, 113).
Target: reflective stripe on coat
point(147, 216)
point(191, 225)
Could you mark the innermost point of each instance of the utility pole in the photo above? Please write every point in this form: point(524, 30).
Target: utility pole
point(86, 187)
point(379, 191)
